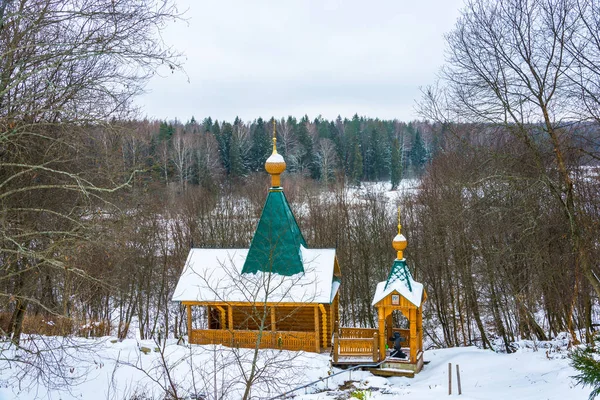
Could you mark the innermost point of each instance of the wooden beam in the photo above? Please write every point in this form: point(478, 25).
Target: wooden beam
point(317, 336)
point(389, 322)
point(375, 347)
point(336, 347)
point(324, 328)
point(381, 320)
point(413, 335)
point(273, 319)
point(246, 303)
point(331, 326)
point(189, 322)
point(420, 329)
point(230, 312)
point(209, 322)
point(221, 316)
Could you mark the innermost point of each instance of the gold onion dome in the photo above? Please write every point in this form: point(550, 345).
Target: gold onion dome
point(275, 164)
point(399, 243)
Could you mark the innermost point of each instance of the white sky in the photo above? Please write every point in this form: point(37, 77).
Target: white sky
point(255, 58)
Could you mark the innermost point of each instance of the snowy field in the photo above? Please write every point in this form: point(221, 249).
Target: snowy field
point(108, 369)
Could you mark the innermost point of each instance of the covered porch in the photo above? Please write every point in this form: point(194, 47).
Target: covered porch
point(284, 326)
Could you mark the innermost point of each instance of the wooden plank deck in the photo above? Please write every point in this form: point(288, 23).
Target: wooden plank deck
point(390, 367)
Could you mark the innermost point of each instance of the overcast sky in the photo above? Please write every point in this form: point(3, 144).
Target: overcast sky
point(253, 58)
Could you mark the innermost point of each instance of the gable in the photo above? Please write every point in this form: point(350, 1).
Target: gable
point(400, 281)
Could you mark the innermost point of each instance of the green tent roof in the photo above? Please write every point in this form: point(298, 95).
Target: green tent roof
point(276, 243)
point(399, 272)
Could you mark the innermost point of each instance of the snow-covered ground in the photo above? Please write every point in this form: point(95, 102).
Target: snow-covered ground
point(119, 370)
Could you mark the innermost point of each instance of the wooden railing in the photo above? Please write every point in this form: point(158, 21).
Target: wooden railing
point(283, 340)
point(363, 333)
point(356, 347)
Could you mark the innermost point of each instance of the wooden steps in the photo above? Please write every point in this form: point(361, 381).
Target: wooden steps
point(387, 372)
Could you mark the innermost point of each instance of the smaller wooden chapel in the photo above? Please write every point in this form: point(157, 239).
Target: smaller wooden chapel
point(400, 292)
point(278, 294)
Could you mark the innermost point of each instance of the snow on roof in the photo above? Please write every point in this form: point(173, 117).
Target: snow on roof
point(415, 295)
point(214, 275)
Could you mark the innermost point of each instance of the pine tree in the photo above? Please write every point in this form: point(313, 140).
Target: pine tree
point(396, 167)
point(586, 361)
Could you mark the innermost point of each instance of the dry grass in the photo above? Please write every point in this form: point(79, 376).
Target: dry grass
point(58, 326)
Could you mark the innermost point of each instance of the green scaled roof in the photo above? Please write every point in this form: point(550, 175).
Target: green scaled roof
point(399, 272)
point(276, 243)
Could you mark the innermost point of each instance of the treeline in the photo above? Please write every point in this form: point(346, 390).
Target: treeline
point(208, 152)
point(484, 238)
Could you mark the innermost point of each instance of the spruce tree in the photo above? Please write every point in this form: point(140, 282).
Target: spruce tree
point(418, 154)
point(352, 137)
point(236, 164)
point(307, 160)
point(396, 167)
point(225, 144)
point(165, 131)
point(260, 147)
point(357, 170)
point(207, 123)
point(223, 151)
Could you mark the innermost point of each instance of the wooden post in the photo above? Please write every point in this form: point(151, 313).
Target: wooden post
point(458, 379)
point(375, 347)
point(273, 320)
point(189, 322)
point(331, 325)
point(208, 312)
point(420, 329)
point(230, 318)
point(413, 334)
point(381, 320)
point(389, 322)
point(324, 325)
point(336, 350)
point(230, 326)
point(317, 336)
point(449, 378)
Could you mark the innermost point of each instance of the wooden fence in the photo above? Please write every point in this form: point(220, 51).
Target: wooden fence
point(356, 346)
point(284, 340)
point(362, 333)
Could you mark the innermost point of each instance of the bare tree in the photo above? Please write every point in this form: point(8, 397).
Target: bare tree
point(66, 69)
point(327, 159)
point(182, 146)
point(508, 65)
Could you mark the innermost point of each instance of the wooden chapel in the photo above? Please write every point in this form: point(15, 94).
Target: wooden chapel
point(276, 294)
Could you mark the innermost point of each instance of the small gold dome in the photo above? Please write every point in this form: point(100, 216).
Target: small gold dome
point(399, 242)
point(275, 165)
